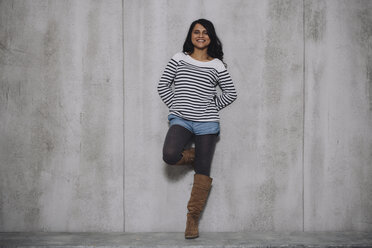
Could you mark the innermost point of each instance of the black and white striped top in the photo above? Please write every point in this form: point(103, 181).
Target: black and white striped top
point(194, 96)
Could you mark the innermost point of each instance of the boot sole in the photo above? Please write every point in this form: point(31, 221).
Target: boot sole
point(191, 237)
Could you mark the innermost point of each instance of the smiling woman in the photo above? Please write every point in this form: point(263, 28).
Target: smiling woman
point(193, 110)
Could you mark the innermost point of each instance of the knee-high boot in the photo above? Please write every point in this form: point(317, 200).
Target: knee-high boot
point(199, 194)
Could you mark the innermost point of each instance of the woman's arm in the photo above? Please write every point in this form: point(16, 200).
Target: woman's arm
point(228, 90)
point(165, 84)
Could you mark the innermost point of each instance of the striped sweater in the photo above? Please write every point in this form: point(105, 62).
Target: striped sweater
point(194, 96)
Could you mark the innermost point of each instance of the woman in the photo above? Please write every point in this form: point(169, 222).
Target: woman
point(193, 110)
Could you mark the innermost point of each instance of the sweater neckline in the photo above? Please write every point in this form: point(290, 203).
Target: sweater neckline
point(198, 61)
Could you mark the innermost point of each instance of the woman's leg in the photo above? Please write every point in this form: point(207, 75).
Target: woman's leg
point(204, 150)
point(175, 140)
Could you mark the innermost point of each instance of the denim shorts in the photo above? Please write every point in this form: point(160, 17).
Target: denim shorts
point(196, 127)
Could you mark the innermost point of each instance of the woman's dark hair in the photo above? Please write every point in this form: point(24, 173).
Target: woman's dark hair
point(214, 48)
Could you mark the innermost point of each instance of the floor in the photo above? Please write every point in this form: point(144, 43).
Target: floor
point(231, 240)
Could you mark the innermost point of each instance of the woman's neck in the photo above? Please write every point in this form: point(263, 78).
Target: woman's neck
point(201, 55)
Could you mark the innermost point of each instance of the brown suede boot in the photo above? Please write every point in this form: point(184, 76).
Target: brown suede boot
point(199, 193)
point(188, 157)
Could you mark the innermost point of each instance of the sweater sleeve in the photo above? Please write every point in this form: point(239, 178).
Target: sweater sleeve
point(165, 84)
point(228, 90)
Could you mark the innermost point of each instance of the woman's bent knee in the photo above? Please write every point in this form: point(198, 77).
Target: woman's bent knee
point(171, 158)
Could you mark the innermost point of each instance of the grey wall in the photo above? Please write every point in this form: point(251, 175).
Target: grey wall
point(61, 110)
point(82, 126)
point(338, 115)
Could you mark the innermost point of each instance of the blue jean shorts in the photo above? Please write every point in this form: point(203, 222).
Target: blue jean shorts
point(196, 127)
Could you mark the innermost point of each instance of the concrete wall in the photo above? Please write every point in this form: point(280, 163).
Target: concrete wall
point(338, 115)
point(81, 141)
point(61, 110)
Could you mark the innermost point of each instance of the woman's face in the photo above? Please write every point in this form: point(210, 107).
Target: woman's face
point(199, 37)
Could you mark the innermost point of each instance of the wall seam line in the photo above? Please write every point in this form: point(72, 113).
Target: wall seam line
point(122, 36)
point(303, 115)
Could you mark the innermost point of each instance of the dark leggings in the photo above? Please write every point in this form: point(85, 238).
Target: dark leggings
point(176, 140)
